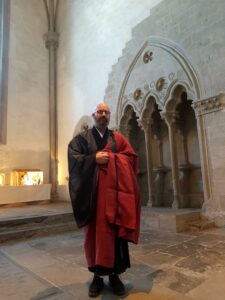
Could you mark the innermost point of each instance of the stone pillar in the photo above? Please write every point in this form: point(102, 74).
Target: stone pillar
point(160, 145)
point(51, 43)
point(146, 125)
point(171, 122)
point(203, 107)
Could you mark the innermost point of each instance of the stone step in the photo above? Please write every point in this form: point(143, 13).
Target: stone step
point(168, 219)
point(202, 224)
point(35, 226)
point(43, 220)
point(34, 232)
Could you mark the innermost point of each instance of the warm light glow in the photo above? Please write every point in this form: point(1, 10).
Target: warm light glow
point(2, 179)
point(32, 178)
point(28, 177)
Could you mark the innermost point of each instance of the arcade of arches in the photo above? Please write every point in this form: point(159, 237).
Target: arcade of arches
point(168, 148)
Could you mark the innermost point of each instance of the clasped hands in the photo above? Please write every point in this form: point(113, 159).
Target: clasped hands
point(102, 157)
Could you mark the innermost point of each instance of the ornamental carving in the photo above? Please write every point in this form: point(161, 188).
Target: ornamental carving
point(51, 39)
point(209, 105)
point(171, 76)
point(146, 87)
point(137, 94)
point(148, 56)
point(152, 84)
point(160, 83)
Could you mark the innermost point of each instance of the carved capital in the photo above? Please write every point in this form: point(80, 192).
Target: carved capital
point(145, 124)
point(51, 40)
point(209, 105)
point(170, 117)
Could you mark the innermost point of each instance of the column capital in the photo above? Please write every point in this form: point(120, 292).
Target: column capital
point(145, 124)
point(170, 117)
point(51, 39)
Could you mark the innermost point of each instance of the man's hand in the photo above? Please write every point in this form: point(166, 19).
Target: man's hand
point(102, 158)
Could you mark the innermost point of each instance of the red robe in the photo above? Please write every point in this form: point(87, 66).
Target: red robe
point(118, 203)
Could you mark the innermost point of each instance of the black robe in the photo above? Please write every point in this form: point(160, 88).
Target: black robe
point(83, 179)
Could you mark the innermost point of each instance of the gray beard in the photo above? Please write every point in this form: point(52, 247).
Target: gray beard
point(101, 123)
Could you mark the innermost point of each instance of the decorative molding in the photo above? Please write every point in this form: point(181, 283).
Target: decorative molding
point(51, 39)
point(160, 83)
point(146, 87)
point(147, 57)
point(137, 94)
point(212, 104)
point(174, 51)
point(171, 76)
point(152, 84)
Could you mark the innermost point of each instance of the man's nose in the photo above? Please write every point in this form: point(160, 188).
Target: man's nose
point(104, 113)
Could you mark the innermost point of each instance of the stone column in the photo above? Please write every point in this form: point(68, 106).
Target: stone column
point(146, 125)
point(171, 122)
point(51, 43)
point(159, 142)
point(203, 107)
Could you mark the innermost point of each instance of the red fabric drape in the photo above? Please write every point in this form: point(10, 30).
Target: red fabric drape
point(118, 204)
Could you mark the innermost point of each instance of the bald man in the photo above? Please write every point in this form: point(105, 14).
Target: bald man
point(105, 199)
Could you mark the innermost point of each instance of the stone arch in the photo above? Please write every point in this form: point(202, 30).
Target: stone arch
point(159, 171)
point(185, 152)
point(124, 128)
point(174, 94)
point(130, 127)
point(176, 53)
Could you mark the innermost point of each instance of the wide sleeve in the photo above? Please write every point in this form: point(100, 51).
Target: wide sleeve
point(83, 173)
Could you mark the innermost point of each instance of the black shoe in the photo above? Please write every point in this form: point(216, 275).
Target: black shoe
point(96, 286)
point(117, 285)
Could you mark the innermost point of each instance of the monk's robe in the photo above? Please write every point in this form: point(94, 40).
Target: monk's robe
point(114, 216)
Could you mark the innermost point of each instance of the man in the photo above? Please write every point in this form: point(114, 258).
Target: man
point(105, 199)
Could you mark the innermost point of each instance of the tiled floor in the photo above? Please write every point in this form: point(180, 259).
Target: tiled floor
point(164, 266)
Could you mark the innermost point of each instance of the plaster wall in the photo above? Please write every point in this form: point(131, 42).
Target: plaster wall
point(92, 36)
point(27, 143)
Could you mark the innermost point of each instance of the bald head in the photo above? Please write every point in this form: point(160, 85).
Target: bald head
point(101, 106)
point(101, 116)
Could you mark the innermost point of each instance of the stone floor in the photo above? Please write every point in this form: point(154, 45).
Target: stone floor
point(164, 266)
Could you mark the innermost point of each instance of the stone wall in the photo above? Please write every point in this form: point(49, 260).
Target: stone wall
point(196, 27)
point(27, 144)
point(92, 35)
point(215, 129)
point(186, 39)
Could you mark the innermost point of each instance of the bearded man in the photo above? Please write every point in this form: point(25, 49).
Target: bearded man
point(105, 199)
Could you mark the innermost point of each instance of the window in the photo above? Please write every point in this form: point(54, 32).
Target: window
point(4, 49)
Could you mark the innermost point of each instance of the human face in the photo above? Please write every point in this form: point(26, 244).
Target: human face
point(101, 115)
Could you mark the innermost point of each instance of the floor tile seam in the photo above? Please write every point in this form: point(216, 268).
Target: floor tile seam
point(66, 260)
point(192, 273)
point(32, 273)
point(15, 260)
point(152, 265)
point(159, 251)
point(37, 276)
